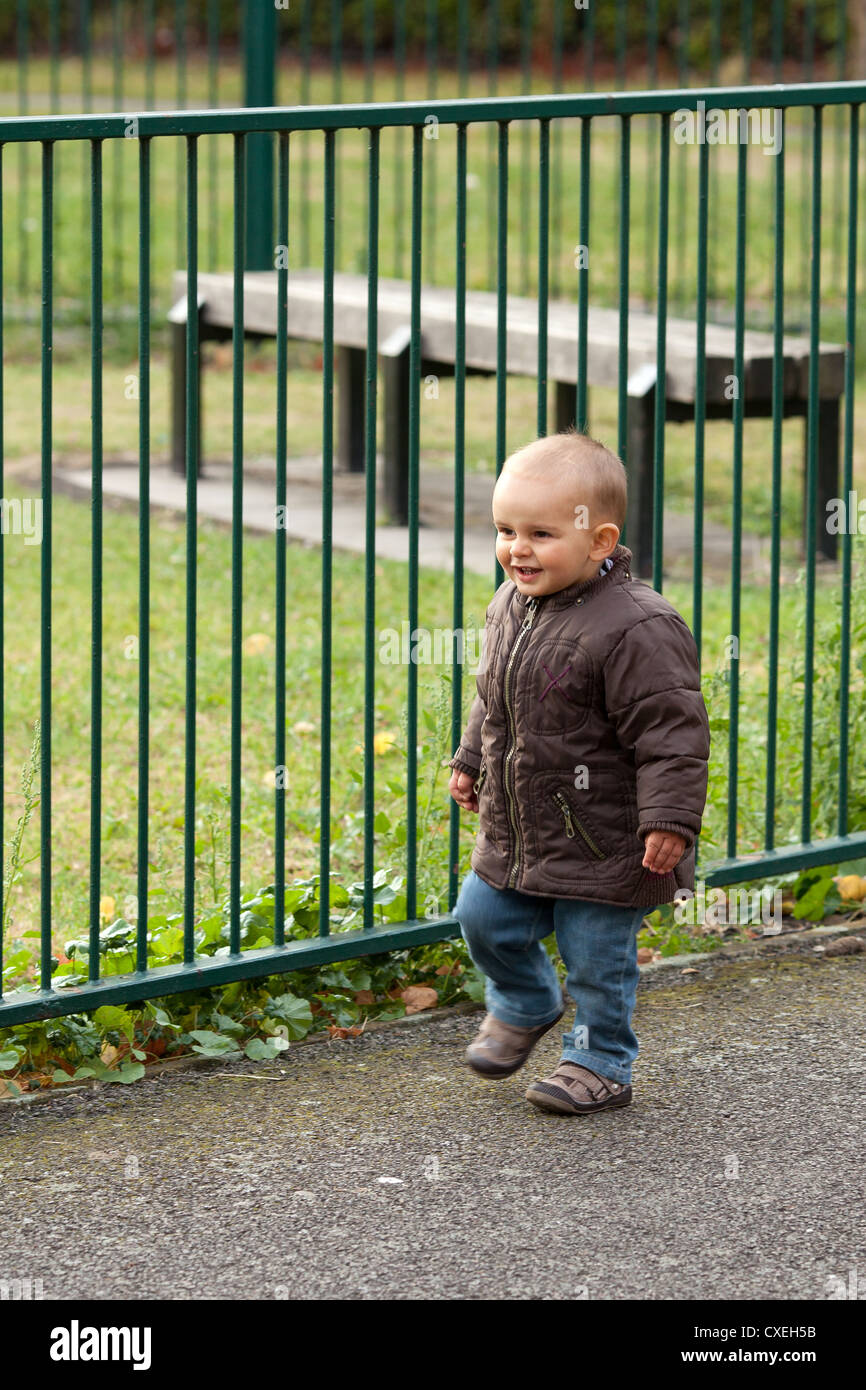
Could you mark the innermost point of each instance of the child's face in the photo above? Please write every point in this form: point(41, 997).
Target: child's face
point(538, 544)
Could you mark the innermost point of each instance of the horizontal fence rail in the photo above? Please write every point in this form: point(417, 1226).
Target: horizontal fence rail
point(781, 810)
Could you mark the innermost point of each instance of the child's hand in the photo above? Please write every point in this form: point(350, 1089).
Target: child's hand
point(461, 788)
point(663, 850)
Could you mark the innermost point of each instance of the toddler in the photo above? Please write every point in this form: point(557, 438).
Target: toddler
point(585, 757)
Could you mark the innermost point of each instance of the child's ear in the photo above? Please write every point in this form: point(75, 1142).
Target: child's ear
point(605, 540)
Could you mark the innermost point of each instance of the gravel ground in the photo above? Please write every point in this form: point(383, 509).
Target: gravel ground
point(383, 1168)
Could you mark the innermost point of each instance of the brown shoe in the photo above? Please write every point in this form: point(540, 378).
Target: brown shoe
point(499, 1049)
point(575, 1090)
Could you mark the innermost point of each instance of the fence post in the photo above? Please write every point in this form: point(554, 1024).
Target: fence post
point(260, 44)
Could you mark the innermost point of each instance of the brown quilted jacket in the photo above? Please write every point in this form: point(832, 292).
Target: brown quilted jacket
point(588, 730)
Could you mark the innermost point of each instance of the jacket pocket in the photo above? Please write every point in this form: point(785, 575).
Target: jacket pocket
point(575, 827)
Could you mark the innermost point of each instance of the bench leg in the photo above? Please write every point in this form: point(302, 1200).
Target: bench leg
point(351, 380)
point(394, 356)
point(826, 543)
point(639, 510)
point(178, 399)
point(566, 405)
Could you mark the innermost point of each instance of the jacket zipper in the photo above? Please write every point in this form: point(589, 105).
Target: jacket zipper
point(479, 781)
point(571, 821)
point(531, 609)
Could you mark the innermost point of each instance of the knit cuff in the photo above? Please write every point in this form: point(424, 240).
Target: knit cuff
point(460, 765)
point(687, 833)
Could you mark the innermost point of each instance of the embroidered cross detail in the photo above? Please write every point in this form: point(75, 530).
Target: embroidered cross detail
point(553, 680)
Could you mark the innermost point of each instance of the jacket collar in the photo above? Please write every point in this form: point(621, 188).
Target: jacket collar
point(585, 588)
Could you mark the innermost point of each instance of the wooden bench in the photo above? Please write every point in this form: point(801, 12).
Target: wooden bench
point(438, 348)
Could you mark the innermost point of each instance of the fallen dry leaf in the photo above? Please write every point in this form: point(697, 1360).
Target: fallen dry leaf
point(644, 955)
point(689, 970)
point(337, 1032)
point(365, 996)
point(419, 997)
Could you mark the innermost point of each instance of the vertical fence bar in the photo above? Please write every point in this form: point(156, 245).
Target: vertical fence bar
point(848, 456)
point(746, 39)
point(306, 136)
point(430, 190)
point(490, 131)
point(737, 487)
point(143, 544)
point(327, 533)
point(589, 48)
point(370, 384)
point(661, 355)
point(240, 260)
point(621, 35)
point(180, 22)
point(700, 391)
point(459, 494)
point(583, 277)
point(837, 182)
point(501, 309)
point(369, 47)
point(400, 60)
point(54, 79)
point(624, 225)
point(280, 539)
point(543, 269)
point(337, 90)
point(213, 143)
point(23, 148)
point(117, 155)
point(525, 88)
point(651, 128)
point(557, 145)
point(776, 497)
point(96, 551)
point(86, 105)
point(45, 569)
point(713, 190)
point(150, 54)
point(808, 76)
point(462, 46)
point(191, 462)
point(812, 473)
point(682, 165)
point(414, 442)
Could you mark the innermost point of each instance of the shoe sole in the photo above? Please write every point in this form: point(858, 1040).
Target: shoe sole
point(563, 1106)
point(493, 1073)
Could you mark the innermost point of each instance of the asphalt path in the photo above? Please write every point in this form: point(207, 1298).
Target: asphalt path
point(383, 1168)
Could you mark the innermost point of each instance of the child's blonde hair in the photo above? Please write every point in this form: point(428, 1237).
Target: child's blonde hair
point(594, 468)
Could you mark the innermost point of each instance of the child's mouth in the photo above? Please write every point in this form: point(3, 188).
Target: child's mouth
point(526, 573)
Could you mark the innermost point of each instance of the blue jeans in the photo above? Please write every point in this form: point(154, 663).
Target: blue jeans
point(503, 930)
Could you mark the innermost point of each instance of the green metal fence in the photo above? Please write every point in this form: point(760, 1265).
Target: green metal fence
point(154, 138)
